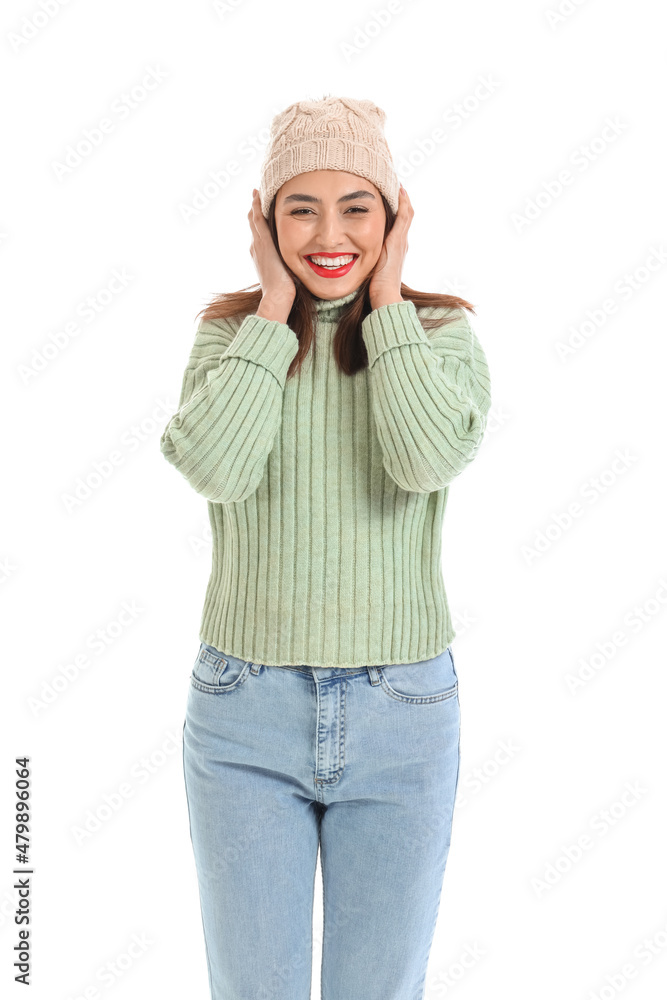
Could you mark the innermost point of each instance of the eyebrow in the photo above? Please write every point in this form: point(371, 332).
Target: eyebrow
point(346, 197)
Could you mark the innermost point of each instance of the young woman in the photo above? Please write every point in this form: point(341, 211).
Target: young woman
point(324, 416)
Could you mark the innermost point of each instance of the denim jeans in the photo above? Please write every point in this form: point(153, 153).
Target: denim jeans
point(362, 762)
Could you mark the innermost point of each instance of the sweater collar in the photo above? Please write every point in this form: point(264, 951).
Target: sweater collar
point(332, 309)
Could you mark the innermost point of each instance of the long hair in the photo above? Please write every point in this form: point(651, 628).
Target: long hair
point(349, 348)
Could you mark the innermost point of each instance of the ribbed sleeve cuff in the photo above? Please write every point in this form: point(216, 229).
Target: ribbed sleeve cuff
point(390, 326)
point(267, 343)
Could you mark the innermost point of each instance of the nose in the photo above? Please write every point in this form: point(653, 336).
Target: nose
point(330, 231)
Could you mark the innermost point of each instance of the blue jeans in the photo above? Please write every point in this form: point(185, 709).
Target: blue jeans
point(362, 762)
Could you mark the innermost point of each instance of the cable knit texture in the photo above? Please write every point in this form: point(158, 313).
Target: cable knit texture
point(335, 133)
point(326, 492)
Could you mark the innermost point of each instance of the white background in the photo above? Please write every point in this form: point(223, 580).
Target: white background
point(536, 595)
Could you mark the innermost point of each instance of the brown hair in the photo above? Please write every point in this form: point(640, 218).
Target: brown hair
point(348, 344)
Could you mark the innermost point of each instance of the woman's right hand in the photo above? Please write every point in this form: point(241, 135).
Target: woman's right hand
point(276, 282)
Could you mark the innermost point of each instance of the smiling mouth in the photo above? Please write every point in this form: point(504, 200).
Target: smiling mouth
point(328, 271)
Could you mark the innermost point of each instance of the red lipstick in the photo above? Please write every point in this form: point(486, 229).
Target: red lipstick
point(327, 272)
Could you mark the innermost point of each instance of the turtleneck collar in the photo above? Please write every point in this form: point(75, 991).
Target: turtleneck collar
point(332, 309)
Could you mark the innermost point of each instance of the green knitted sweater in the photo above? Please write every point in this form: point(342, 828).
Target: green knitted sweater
point(326, 492)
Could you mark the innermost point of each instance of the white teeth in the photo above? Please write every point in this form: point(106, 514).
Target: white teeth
point(332, 262)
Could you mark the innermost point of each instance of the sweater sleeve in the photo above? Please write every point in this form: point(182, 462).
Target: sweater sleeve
point(430, 393)
point(230, 406)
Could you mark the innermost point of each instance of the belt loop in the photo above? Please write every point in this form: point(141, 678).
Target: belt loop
point(373, 674)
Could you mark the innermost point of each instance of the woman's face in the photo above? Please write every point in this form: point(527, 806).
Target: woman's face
point(333, 214)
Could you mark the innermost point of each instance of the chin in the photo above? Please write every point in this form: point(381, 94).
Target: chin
point(331, 290)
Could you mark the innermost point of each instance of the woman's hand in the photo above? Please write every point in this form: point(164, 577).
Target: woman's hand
point(385, 285)
point(277, 285)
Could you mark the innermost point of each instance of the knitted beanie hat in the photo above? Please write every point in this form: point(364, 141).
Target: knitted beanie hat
point(335, 133)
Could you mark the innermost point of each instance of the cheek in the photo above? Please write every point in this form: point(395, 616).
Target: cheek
point(287, 241)
point(373, 239)
point(372, 249)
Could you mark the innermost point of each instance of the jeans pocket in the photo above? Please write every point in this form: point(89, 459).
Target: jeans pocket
point(422, 682)
point(215, 672)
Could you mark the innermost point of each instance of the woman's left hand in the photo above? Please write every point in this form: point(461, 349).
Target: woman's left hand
point(386, 281)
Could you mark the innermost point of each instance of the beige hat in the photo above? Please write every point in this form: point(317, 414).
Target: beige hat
point(335, 133)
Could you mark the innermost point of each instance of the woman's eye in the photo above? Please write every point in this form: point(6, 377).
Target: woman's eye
point(355, 208)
